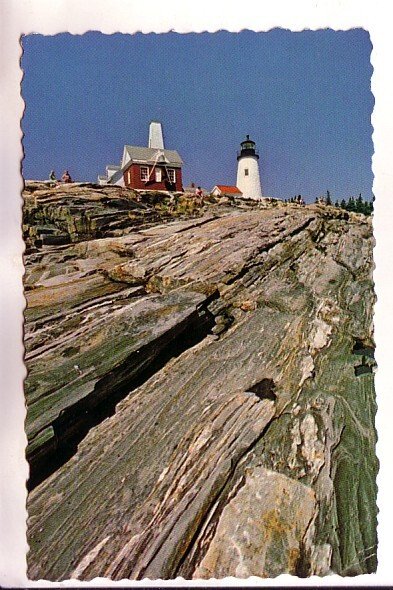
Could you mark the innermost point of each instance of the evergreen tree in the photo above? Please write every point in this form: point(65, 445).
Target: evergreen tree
point(351, 206)
point(343, 204)
point(359, 205)
point(328, 198)
point(368, 207)
point(337, 204)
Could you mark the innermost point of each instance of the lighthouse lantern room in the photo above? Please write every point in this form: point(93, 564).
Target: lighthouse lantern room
point(248, 181)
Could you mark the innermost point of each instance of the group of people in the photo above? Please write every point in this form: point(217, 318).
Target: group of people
point(298, 199)
point(65, 178)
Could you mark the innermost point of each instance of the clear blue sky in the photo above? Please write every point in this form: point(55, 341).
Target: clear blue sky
point(304, 98)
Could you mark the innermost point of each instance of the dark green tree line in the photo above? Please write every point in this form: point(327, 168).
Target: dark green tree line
point(357, 205)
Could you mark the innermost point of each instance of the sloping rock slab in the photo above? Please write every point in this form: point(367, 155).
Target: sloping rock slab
point(273, 404)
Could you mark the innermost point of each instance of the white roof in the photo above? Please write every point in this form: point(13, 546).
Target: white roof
point(151, 155)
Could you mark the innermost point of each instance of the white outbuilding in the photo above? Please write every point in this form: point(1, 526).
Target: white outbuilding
point(224, 190)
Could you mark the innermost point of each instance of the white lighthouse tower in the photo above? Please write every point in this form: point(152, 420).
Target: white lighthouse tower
point(248, 181)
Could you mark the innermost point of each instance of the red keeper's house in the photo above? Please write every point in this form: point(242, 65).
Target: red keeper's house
point(147, 168)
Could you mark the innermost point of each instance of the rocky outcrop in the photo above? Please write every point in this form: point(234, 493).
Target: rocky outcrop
point(55, 214)
point(200, 398)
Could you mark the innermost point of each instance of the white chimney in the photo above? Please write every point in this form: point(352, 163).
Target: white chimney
point(156, 139)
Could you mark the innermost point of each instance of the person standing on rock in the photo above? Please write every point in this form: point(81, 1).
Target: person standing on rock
point(52, 177)
point(199, 195)
point(66, 177)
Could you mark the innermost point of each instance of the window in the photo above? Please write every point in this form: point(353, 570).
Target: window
point(144, 173)
point(171, 175)
point(158, 174)
point(245, 171)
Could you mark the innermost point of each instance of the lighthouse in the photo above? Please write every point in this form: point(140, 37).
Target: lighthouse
point(248, 181)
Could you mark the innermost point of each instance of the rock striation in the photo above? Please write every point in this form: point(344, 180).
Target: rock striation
point(200, 397)
point(66, 213)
